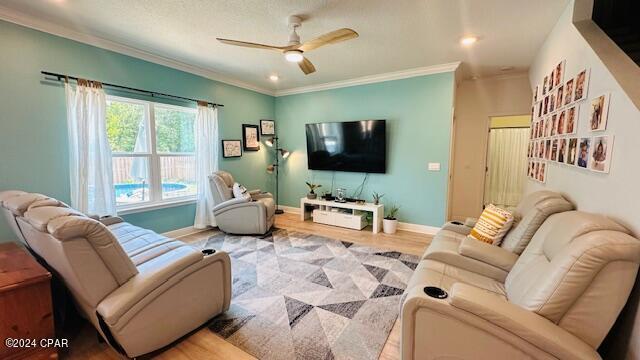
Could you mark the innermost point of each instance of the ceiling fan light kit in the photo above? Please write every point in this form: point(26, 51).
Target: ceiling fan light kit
point(293, 55)
point(293, 52)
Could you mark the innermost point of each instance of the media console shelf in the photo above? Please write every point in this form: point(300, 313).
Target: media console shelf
point(349, 215)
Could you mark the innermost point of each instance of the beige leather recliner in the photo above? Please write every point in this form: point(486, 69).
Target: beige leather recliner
point(140, 290)
point(254, 215)
point(451, 246)
point(559, 300)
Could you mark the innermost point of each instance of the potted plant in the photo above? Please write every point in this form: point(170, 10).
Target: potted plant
point(390, 222)
point(376, 198)
point(312, 195)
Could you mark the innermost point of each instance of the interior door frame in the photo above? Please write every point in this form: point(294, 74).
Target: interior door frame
point(486, 152)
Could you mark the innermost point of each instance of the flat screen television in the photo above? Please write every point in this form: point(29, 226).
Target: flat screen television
point(355, 146)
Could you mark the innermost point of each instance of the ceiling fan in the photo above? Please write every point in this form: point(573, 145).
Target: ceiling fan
point(294, 51)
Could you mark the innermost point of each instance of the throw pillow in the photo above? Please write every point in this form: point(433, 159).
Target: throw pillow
point(493, 225)
point(240, 192)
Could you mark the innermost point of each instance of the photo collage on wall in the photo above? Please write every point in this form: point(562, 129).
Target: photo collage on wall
point(554, 135)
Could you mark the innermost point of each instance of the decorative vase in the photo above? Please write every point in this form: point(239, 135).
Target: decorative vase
point(312, 196)
point(389, 226)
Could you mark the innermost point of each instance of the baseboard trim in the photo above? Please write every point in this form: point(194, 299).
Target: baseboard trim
point(416, 228)
point(189, 230)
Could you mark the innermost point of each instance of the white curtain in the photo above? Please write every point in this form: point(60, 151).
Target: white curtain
point(507, 164)
point(89, 152)
point(206, 163)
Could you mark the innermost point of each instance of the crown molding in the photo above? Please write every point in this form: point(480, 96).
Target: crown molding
point(19, 18)
point(371, 79)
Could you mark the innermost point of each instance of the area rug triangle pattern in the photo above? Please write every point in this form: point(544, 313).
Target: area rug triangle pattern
point(304, 296)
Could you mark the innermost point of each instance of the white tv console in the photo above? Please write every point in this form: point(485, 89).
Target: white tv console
point(324, 212)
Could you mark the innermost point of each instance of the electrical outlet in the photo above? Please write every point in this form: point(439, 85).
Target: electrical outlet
point(434, 167)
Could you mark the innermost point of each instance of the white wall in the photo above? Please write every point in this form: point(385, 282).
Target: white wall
point(477, 101)
point(616, 194)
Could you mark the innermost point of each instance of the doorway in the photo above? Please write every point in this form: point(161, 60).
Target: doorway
point(506, 160)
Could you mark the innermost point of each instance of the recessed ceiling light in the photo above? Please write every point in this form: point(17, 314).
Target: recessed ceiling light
point(468, 40)
point(274, 78)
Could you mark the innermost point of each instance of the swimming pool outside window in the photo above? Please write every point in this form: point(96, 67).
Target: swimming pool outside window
point(153, 149)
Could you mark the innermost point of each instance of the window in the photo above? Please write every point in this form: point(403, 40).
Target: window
point(153, 148)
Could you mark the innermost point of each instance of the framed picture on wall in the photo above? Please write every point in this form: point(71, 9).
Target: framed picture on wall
point(572, 151)
point(231, 148)
point(250, 137)
point(601, 153)
point(568, 92)
point(267, 127)
point(582, 85)
point(599, 112)
point(584, 145)
point(572, 119)
point(558, 73)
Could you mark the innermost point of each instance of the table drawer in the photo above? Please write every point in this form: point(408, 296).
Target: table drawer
point(323, 217)
point(349, 221)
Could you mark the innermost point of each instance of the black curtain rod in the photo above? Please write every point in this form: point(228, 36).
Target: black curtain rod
point(152, 93)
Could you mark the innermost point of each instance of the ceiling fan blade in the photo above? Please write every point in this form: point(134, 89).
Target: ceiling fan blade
point(306, 66)
point(329, 38)
point(251, 45)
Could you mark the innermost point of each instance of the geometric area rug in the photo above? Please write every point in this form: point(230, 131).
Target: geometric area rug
point(304, 296)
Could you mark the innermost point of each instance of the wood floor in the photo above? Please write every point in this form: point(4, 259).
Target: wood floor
point(203, 344)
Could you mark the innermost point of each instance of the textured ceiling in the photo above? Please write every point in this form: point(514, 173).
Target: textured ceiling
point(394, 34)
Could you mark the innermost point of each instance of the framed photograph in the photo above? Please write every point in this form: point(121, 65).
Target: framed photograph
point(582, 85)
point(554, 124)
point(568, 92)
point(551, 81)
point(599, 112)
point(545, 109)
point(530, 170)
point(548, 125)
point(572, 120)
point(584, 145)
point(558, 74)
point(552, 102)
point(536, 169)
point(554, 150)
point(267, 127)
point(560, 97)
point(535, 93)
point(540, 149)
point(562, 150)
point(547, 149)
point(601, 153)
point(539, 105)
point(250, 137)
point(231, 148)
point(560, 126)
point(545, 83)
point(542, 173)
point(572, 151)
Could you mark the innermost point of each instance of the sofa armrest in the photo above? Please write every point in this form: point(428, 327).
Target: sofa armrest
point(523, 323)
point(260, 195)
point(154, 277)
point(470, 222)
point(487, 253)
point(110, 220)
point(230, 203)
point(457, 227)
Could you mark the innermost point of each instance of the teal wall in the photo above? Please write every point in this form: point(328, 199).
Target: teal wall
point(33, 132)
point(419, 116)
point(33, 135)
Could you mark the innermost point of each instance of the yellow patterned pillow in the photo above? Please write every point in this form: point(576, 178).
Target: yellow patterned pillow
point(492, 225)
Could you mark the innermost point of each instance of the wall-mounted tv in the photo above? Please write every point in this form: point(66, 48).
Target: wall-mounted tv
point(356, 146)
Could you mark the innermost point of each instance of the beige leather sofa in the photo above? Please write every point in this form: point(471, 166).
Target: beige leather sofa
point(451, 245)
point(558, 301)
point(139, 289)
point(254, 215)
